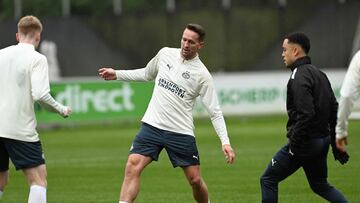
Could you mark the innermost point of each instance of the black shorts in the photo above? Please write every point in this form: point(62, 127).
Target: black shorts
point(181, 148)
point(22, 154)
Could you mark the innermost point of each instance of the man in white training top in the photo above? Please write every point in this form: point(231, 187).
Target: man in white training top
point(180, 77)
point(23, 81)
point(349, 93)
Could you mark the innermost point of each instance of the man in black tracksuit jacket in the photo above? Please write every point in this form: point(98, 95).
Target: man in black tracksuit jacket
point(312, 109)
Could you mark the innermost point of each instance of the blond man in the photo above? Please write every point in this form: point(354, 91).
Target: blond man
point(24, 81)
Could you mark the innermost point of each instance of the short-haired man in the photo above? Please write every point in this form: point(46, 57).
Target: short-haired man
point(180, 77)
point(23, 81)
point(312, 108)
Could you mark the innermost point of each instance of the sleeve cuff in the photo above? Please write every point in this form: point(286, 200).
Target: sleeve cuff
point(341, 135)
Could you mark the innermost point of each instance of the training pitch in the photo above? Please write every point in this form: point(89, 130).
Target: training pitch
point(85, 165)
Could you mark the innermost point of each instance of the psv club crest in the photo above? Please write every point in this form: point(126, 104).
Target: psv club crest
point(186, 75)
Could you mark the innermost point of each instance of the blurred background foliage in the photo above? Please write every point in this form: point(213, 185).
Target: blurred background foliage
point(236, 37)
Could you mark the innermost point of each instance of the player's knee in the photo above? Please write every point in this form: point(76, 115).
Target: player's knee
point(195, 181)
point(36, 176)
point(263, 180)
point(132, 168)
point(320, 188)
point(267, 180)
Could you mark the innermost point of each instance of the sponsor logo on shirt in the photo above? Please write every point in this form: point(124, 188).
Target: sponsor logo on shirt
point(169, 66)
point(172, 87)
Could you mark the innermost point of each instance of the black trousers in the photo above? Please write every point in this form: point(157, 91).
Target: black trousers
point(312, 158)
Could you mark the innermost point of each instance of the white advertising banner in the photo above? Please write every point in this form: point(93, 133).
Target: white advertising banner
point(258, 92)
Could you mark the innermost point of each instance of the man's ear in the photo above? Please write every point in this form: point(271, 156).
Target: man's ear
point(17, 36)
point(296, 51)
point(37, 36)
point(202, 44)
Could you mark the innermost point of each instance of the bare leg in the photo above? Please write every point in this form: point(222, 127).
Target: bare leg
point(36, 175)
point(36, 178)
point(4, 177)
point(200, 190)
point(131, 184)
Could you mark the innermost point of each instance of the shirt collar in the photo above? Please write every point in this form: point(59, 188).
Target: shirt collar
point(188, 60)
point(299, 62)
point(26, 45)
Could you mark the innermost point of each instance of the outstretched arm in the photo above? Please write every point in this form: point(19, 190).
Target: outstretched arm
point(107, 73)
point(143, 74)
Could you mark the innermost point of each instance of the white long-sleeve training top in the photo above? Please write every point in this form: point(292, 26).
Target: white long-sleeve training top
point(349, 92)
point(23, 80)
point(178, 82)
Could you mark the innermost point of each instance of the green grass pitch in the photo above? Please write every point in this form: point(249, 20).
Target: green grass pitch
point(85, 165)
